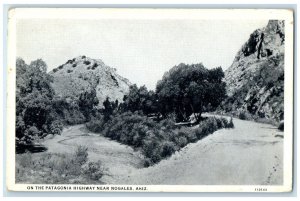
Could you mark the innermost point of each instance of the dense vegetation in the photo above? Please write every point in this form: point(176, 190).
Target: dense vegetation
point(39, 111)
point(156, 140)
point(146, 120)
point(190, 89)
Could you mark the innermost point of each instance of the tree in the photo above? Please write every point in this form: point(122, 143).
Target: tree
point(87, 102)
point(33, 100)
point(109, 108)
point(140, 99)
point(190, 89)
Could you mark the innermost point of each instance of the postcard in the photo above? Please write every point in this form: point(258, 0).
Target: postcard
point(150, 100)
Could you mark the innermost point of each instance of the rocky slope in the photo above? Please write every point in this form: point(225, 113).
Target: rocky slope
point(83, 74)
point(255, 80)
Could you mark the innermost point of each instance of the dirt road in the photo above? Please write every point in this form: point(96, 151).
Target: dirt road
point(251, 153)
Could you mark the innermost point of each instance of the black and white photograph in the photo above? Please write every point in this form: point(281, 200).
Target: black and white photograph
point(150, 100)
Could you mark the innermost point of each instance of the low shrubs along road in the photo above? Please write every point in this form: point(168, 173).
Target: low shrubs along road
point(54, 168)
point(156, 140)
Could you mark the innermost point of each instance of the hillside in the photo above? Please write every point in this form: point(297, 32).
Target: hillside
point(83, 74)
point(255, 80)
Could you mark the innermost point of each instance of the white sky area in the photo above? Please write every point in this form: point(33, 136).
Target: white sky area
point(140, 50)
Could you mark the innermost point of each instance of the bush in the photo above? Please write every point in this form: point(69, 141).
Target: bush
point(69, 71)
point(211, 125)
point(87, 62)
point(55, 70)
point(73, 116)
point(230, 124)
point(182, 141)
point(83, 57)
point(60, 67)
point(191, 136)
point(69, 61)
point(74, 65)
point(167, 149)
point(95, 65)
point(94, 170)
point(96, 124)
point(281, 126)
point(56, 127)
point(81, 155)
point(242, 115)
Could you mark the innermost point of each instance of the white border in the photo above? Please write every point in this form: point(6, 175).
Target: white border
point(156, 14)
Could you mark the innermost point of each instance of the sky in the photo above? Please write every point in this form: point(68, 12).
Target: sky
point(141, 50)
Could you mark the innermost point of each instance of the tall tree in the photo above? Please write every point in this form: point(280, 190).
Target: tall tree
point(140, 99)
point(190, 89)
point(33, 100)
point(87, 103)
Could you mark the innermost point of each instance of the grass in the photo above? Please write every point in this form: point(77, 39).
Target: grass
point(54, 168)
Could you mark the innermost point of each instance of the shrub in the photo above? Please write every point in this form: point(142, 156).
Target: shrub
point(96, 124)
point(33, 131)
point(230, 124)
point(212, 124)
point(94, 170)
point(95, 65)
point(87, 62)
point(242, 115)
point(69, 61)
point(88, 68)
point(73, 116)
point(281, 126)
point(81, 155)
point(220, 123)
point(225, 122)
point(167, 148)
point(56, 127)
point(69, 71)
point(198, 133)
point(147, 162)
point(60, 67)
point(182, 141)
point(55, 70)
point(191, 136)
point(74, 65)
point(83, 57)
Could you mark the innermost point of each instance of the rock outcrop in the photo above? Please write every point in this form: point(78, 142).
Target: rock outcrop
point(255, 80)
point(84, 74)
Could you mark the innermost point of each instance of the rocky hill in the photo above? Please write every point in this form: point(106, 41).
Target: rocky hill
point(83, 74)
point(255, 80)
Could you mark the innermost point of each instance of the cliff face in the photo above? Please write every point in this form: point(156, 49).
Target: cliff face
point(255, 80)
point(83, 74)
